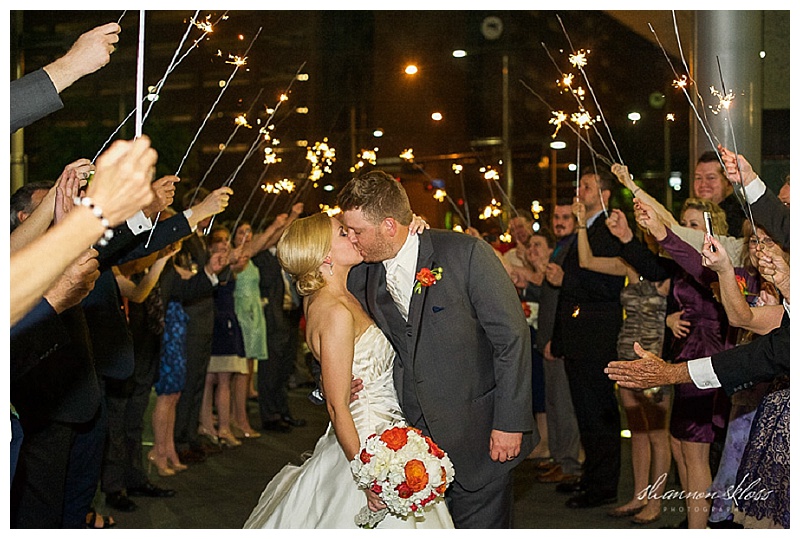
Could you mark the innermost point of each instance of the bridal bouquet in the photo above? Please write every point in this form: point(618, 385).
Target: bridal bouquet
point(405, 468)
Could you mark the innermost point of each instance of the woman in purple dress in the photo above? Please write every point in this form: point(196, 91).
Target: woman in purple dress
point(698, 415)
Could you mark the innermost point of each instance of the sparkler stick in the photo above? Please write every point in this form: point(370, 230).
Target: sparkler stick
point(238, 61)
point(139, 75)
point(681, 82)
point(738, 188)
point(466, 204)
point(283, 97)
point(578, 170)
point(154, 91)
point(602, 158)
point(124, 11)
point(224, 147)
point(591, 90)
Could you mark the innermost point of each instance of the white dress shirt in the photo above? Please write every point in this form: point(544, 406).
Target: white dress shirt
point(400, 273)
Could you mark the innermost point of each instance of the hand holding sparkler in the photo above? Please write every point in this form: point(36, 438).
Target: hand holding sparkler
point(774, 267)
point(579, 211)
point(736, 169)
point(624, 177)
point(715, 257)
point(91, 51)
point(648, 219)
point(164, 194)
point(121, 184)
point(214, 203)
point(617, 224)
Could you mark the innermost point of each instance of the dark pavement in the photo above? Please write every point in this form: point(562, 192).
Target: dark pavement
point(220, 492)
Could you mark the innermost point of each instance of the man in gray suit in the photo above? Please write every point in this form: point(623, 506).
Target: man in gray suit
point(463, 365)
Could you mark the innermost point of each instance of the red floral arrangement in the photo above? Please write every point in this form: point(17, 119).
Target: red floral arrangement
point(427, 277)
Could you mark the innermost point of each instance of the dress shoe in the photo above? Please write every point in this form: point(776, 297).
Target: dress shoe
point(192, 456)
point(277, 425)
point(120, 501)
point(151, 491)
point(570, 486)
point(556, 475)
point(294, 422)
point(590, 499)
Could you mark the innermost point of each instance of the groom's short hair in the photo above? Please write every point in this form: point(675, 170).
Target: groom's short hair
point(378, 195)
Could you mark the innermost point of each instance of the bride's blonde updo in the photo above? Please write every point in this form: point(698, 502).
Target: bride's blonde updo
point(303, 248)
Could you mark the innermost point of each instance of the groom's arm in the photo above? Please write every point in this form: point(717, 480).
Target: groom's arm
point(499, 312)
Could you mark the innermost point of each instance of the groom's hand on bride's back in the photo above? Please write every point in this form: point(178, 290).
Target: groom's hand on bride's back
point(356, 385)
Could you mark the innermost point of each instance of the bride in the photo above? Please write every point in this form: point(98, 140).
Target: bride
point(322, 493)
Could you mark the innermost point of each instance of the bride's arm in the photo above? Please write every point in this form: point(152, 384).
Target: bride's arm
point(335, 339)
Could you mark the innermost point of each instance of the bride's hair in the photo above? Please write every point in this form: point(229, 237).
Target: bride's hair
point(303, 248)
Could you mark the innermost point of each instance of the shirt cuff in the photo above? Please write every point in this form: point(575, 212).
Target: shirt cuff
point(786, 308)
point(702, 373)
point(188, 214)
point(755, 189)
point(212, 277)
point(139, 223)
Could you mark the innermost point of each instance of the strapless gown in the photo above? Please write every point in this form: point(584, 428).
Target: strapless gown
point(322, 493)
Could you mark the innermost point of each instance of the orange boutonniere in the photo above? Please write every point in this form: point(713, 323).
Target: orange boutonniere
point(427, 277)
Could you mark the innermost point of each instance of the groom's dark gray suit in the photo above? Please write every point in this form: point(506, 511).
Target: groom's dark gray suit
point(463, 365)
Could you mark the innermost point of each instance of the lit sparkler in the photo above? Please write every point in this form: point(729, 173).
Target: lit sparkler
point(670, 117)
point(579, 60)
point(492, 210)
point(558, 118)
point(440, 195)
point(725, 100)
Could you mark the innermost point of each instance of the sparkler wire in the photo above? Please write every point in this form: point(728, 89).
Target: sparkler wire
point(224, 147)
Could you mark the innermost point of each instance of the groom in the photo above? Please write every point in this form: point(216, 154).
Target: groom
point(463, 366)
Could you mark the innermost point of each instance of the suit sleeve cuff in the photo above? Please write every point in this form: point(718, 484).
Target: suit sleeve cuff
point(755, 189)
point(702, 373)
point(212, 277)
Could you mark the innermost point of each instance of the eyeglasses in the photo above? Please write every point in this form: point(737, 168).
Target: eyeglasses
point(769, 242)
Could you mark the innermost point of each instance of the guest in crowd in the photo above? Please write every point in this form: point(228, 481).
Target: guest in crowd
point(589, 305)
point(647, 412)
point(562, 426)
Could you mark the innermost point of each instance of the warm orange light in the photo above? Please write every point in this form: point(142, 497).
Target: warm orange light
point(411, 69)
point(436, 116)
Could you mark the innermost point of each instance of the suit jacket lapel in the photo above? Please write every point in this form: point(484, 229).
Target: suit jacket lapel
point(415, 310)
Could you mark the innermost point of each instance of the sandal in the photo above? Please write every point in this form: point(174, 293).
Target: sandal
point(96, 521)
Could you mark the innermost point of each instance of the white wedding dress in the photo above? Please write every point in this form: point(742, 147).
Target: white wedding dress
point(322, 493)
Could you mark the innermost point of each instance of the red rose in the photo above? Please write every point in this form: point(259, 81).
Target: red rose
point(403, 490)
point(395, 438)
point(364, 456)
point(416, 475)
point(376, 488)
point(526, 309)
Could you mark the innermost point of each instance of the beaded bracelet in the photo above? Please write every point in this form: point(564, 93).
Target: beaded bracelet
point(97, 212)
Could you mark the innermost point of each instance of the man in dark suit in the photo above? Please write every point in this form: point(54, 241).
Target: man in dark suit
point(463, 365)
point(588, 320)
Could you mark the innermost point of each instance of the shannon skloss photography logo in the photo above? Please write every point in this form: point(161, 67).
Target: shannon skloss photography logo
point(747, 489)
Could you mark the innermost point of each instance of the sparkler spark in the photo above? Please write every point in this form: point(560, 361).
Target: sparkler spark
point(440, 195)
point(457, 168)
point(725, 100)
point(238, 61)
point(682, 82)
point(407, 154)
point(331, 211)
point(492, 210)
point(671, 117)
point(558, 118)
point(567, 79)
point(582, 119)
point(205, 26)
point(579, 58)
point(241, 120)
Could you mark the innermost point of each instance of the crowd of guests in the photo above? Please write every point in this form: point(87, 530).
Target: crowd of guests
point(208, 320)
point(685, 289)
point(201, 317)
